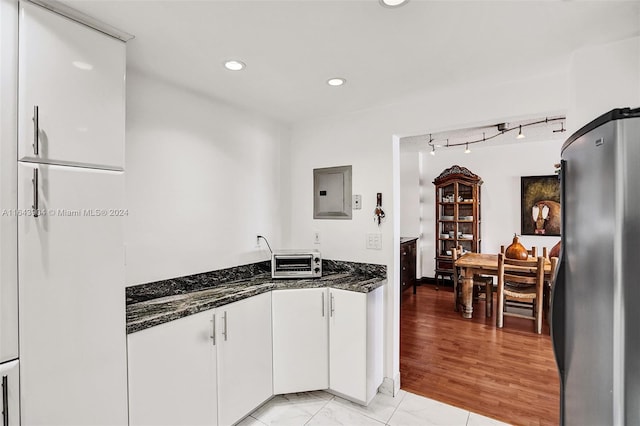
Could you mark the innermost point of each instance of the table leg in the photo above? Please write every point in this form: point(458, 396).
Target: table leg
point(489, 298)
point(467, 293)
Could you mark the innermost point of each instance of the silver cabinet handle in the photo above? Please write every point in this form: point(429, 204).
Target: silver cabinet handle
point(36, 130)
point(323, 303)
point(224, 329)
point(5, 401)
point(332, 305)
point(35, 193)
point(213, 330)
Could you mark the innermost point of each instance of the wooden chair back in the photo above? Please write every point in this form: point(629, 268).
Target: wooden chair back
point(528, 271)
point(526, 279)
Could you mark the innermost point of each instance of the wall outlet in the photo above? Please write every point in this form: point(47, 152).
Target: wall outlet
point(374, 241)
point(357, 202)
point(316, 237)
point(257, 241)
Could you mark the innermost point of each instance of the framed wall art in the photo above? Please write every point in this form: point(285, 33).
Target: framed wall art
point(540, 205)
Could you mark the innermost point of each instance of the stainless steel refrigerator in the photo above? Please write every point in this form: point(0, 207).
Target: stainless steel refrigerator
point(596, 296)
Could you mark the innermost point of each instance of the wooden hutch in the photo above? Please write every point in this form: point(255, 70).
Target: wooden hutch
point(457, 216)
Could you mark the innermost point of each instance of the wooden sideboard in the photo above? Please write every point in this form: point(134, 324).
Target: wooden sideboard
point(408, 250)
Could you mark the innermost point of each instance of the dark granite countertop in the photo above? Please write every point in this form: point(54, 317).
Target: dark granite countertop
point(163, 301)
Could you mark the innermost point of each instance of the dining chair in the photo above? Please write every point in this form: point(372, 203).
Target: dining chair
point(523, 281)
point(548, 285)
point(479, 281)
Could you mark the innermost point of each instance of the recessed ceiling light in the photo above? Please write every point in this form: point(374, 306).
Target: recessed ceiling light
point(234, 65)
point(393, 3)
point(336, 81)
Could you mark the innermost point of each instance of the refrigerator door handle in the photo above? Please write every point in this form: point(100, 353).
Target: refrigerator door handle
point(5, 401)
point(35, 192)
point(36, 130)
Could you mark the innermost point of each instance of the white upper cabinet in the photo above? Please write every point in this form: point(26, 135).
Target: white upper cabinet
point(71, 92)
point(300, 340)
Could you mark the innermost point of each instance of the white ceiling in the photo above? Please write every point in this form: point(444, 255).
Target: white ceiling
point(292, 47)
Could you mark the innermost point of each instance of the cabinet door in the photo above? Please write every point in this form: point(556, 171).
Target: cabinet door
point(71, 296)
point(74, 76)
point(245, 377)
point(348, 343)
point(300, 340)
point(172, 373)
point(8, 181)
point(9, 392)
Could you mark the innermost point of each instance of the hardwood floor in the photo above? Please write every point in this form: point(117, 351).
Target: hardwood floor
point(508, 374)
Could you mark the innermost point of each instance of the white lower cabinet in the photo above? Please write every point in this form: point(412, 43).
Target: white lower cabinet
point(355, 344)
point(210, 368)
point(300, 340)
point(9, 392)
point(172, 373)
point(217, 366)
point(245, 376)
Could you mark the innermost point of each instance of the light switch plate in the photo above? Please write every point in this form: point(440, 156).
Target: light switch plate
point(357, 202)
point(374, 241)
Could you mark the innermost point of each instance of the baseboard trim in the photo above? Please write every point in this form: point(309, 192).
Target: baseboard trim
point(390, 386)
point(432, 281)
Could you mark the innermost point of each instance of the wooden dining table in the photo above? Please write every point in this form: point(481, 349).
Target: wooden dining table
point(484, 264)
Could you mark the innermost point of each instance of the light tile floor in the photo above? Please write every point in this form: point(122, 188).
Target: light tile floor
point(323, 409)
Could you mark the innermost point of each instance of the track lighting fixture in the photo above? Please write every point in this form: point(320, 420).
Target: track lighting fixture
point(501, 129)
point(561, 129)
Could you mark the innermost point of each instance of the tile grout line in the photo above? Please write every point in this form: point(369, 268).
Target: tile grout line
point(353, 410)
point(397, 406)
point(320, 409)
point(257, 420)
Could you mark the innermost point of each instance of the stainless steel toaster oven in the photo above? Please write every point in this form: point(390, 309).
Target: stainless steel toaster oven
point(296, 264)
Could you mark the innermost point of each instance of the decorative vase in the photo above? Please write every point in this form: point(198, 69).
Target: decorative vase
point(516, 250)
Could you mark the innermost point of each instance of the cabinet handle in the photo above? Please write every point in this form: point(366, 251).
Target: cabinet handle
point(35, 193)
point(332, 303)
point(213, 329)
point(36, 130)
point(5, 401)
point(322, 304)
point(224, 329)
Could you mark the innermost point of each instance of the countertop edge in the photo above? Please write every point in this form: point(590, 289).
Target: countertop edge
point(359, 285)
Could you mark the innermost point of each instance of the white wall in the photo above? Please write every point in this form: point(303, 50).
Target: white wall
point(410, 197)
point(364, 140)
point(410, 193)
point(202, 179)
point(500, 168)
point(602, 78)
